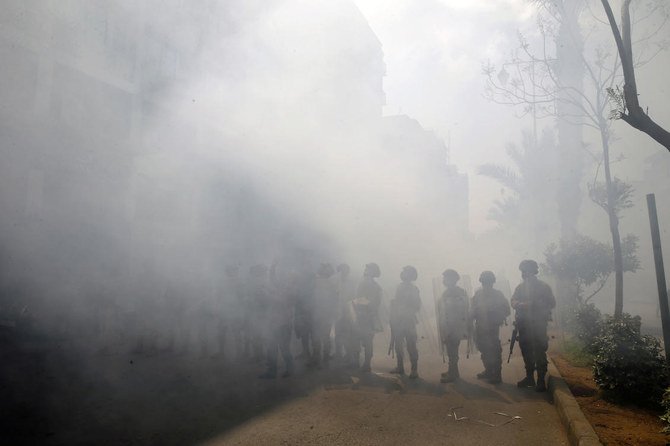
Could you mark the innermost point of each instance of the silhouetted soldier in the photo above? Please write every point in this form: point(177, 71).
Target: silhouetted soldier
point(403, 310)
point(207, 316)
point(488, 311)
point(325, 312)
point(174, 312)
point(453, 316)
point(277, 331)
point(149, 310)
point(346, 291)
point(257, 294)
point(533, 301)
point(303, 289)
point(366, 309)
point(231, 309)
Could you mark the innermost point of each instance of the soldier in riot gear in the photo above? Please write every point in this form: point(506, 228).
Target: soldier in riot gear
point(346, 291)
point(453, 316)
point(488, 310)
point(533, 301)
point(279, 302)
point(303, 284)
point(257, 309)
point(366, 309)
point(325, 312)
point(230, 305)
point(403, 310)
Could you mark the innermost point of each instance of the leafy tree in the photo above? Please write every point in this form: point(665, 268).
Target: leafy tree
point(589, 262)
point(541, 87)
point(526, 184)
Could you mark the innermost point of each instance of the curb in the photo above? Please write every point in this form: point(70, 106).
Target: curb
point(580, 431)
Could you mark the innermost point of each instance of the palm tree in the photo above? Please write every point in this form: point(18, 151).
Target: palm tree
point(526, 187)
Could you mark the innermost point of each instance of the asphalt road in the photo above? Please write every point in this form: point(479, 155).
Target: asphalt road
point(380, 409)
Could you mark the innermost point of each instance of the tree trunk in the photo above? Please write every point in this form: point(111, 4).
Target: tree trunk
point(614, 223)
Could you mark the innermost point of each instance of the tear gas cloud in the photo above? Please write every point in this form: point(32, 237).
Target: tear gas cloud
point(151, 144)
point(157, 142)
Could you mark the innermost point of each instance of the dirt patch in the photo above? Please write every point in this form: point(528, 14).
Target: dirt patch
point(615, 425)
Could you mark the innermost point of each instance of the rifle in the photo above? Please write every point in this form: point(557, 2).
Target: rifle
point(512, 341)
point(391, 344)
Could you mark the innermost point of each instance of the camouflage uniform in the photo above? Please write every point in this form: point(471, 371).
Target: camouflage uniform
point(279, 302)
point(325, 312)
point(232, 315)
point(346, 291)
point(533, 301)
point(403, 309)
point(257, 309)
point(303, 292)
point(489, 309)
point(453, 315)
point(366, 310)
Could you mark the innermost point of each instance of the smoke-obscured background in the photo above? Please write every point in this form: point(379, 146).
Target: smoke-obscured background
point(149, 144)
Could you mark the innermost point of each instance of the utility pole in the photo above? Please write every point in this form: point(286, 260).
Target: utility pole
point(660, 273)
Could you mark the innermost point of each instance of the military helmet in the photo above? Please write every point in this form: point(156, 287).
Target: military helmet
point(372, 269)
point(258, 270)
point(487, 277)
point(529, 266)
point(409, 273)
point(343, 268)
point(325, 270)
point(232, 269)
point(451, 273)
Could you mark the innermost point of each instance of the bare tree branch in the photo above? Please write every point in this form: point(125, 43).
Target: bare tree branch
point(636, 116)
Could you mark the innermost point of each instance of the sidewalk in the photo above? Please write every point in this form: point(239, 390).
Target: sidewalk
point(580, 431)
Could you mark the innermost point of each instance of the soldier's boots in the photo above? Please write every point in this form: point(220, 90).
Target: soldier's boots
point(414, 374)
point(495, 377)
point(486, 374)
point(400, 368)
point(269, 374)
point(528, 381)
point(289, 370)
point(541, 386)
point(451, 375)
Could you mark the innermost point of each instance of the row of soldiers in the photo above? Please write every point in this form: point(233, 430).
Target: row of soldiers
point(264, 314)
point(259, 315)
point(532, 301)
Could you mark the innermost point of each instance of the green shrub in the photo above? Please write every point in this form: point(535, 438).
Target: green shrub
point(629, 367)
point(665, 404)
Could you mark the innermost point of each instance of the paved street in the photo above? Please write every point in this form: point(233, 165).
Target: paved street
point(383, 410)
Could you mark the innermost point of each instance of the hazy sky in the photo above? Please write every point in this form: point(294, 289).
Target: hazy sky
point(434, 51)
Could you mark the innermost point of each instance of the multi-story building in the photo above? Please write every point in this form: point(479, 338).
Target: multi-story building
point(105, 108)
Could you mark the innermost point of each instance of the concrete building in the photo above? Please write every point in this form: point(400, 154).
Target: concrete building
point(446, 190)
point(95, 110)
